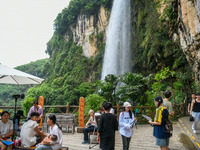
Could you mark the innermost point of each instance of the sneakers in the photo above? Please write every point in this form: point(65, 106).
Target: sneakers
point(194, 131)
point(85, 142)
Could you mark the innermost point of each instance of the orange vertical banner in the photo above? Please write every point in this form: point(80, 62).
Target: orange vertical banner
point(81, 111)
point(41, 103)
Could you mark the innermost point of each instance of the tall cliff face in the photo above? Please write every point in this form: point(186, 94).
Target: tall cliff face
point(188, 31)
point(85, 31)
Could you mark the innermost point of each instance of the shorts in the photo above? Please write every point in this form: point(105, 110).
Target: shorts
point(162, 142)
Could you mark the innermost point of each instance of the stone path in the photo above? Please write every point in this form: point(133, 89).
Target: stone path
point(142, 139)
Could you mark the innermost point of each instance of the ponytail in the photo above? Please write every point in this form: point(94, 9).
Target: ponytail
point(159, 100)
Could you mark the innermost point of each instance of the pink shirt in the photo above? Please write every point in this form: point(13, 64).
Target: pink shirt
point(34, 109)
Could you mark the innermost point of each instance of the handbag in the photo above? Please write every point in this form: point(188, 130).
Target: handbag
point(93, 139)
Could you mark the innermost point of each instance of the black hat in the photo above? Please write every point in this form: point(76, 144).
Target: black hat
point(191, 118)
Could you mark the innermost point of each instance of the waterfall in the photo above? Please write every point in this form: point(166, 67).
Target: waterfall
point(117, 56)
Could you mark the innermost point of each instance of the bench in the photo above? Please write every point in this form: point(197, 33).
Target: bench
point(24, 148)
point(65, 121)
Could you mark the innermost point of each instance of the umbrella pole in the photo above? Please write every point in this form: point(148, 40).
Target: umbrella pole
point(14, 117)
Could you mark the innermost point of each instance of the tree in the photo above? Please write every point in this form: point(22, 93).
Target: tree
point(107, 88)
point(133, 88)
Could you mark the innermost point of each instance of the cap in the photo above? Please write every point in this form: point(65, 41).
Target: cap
point(127, 104)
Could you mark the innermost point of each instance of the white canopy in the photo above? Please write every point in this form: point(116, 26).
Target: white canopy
point(13, 76)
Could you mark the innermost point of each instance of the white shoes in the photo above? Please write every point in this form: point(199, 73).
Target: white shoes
point(194, 131)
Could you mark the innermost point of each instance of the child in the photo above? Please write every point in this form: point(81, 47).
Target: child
point(51, 138)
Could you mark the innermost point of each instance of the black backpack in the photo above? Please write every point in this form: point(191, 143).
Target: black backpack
point(166, 122)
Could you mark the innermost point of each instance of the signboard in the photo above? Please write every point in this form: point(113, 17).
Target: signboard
point(41, 103)
point(81, 111)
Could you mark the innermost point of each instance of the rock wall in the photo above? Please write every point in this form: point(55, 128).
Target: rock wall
point(85, 30)
point(188, 32)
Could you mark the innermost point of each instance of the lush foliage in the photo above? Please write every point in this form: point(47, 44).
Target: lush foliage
point(34, 68)
point(128, 86)
point(93, 101)
point(173, 81)
point(153, 48)
point(133, 88)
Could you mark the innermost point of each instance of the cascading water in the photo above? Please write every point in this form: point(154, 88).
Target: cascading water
point(117, 54)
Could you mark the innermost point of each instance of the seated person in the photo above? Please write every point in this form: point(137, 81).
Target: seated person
point(16, 120)
point(36, 108)
point(29, 131)
point(90, 126)
point(50, 138)
point(6, 130)
point(56, 130)
point(112, 110)
point(99, 112)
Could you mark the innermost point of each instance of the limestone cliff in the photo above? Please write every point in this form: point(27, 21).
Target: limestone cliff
point(187, 29)
point(85, 30)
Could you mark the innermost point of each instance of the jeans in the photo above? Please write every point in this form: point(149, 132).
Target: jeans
point(86, 130)
point(44, 147)
point(126, 142)
point(196, 116)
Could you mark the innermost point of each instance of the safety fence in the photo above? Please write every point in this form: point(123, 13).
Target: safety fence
point(180, 110)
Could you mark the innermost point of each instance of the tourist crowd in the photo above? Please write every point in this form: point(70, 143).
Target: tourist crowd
point(103, 122)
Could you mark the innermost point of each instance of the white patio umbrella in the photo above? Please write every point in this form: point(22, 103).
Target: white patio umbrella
point(13, 76)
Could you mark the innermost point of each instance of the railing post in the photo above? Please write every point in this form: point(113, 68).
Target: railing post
point(68, 108)
point(117, 112)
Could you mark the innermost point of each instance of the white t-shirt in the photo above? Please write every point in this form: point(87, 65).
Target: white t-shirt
point(28, 134)
point(56, 145)
point(5, 127)
point(112, 111)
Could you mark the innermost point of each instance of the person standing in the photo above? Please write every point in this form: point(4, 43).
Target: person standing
point(6, 130)
point(162, 138)
point(126, 122)
point(195, 111)
point(36, 108)
point(167, 103)
point(190, 101)
point(106, 129)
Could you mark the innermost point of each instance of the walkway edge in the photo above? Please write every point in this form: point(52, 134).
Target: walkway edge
point(194, 141)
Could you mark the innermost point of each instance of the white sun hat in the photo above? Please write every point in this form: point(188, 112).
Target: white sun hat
point(127, 104)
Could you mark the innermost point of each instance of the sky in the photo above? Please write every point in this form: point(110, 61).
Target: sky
point(25, 28)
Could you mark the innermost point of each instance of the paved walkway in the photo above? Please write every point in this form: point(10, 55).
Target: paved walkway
point(142, 139)
point(187, 128)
